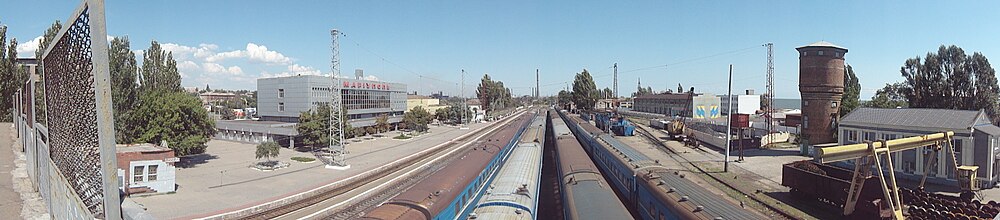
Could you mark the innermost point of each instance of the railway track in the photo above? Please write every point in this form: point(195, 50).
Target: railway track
point(674, 155)
point(292, 207)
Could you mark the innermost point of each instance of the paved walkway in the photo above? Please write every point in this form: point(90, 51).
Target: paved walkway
point(221, 179)
point(10, 200)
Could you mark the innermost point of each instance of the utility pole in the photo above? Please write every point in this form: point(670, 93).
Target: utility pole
point(465, 104)
point(729, 123)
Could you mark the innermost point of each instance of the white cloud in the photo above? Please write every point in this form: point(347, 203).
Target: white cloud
point(261, 53)
point(27, 49)
point(253, 52)
point(371, 77)
point(225, 55)
point(296, 69)
point(216, 68)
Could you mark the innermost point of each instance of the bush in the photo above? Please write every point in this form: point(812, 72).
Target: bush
point(401, 137)
point(304, 159)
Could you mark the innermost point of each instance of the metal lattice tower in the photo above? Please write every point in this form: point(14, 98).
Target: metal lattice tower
point(770, 92)
point(336, 119)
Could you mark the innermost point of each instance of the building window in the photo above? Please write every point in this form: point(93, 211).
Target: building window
point(869, 136)
point(820, 53)
point(837, 54)
point(804, 53)
point(281, 93)
point(137, 173)
point(833, 105)
point(805, 103)
point(281, 107)
point(805, 121)
point(152, 173)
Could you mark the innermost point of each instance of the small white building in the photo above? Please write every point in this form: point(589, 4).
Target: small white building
point(146, 168)
point(742, 104)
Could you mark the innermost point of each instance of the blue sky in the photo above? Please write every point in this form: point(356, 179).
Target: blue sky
point(228, 44)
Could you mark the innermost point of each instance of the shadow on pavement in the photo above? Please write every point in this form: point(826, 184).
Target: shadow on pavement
point(194, 160)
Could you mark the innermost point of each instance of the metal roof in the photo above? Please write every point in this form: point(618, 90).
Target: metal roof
point(594, 199)
point(916, 117)
point(989, 129)
point(714, 205)
point(628, 151)
point(822, 44)
point(515, 187)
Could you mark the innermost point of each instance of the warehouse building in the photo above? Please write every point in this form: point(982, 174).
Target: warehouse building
point(284, 98)
point(679, 104)
point(747, 103)
point(976, 139)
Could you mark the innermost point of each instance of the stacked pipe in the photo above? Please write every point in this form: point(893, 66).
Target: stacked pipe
point(925, 205)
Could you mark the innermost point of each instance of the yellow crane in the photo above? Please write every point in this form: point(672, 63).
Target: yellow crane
point(870, 155)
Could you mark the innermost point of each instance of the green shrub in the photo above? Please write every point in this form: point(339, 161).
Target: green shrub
point(304, 159)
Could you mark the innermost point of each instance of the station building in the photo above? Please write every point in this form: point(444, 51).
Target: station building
point(976, 139)
point(280, 101)
point(284, 98)
point(694, 105)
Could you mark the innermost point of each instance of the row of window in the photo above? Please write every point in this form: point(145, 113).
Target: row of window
point(139, 174)
point(821, 53)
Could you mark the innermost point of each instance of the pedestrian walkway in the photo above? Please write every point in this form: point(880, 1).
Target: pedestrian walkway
point(10, 200)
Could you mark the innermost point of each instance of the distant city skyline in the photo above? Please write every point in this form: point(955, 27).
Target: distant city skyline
point(229, 44)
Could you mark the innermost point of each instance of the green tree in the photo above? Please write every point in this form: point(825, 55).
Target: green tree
point(47, 38)
point(159, 70)
point(607, 93)
point(174, 117)
point(493, 95)
point(455, 113)
point(889, 96)
point(852, 92)
point(371, 130)
point(314, 126)
point(417, 119)
point(951, 79)
point(13, 76)
point(124, 91)
point(382, 123)
point(585, 92)
point(442, 114)
point(565, 97)
point(268, 150)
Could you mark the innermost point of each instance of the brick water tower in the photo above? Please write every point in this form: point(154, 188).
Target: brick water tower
point(821, 83)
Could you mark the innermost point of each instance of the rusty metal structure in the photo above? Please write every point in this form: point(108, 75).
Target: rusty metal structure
point(79, 110)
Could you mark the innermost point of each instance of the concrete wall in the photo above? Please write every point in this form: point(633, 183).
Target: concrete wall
point(60, 198)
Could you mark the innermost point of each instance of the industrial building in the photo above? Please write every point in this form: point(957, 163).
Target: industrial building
point(821, 84)
point(976, 139)
point(679, 104)
point(284, 98)
point(747, 103)
point(430, 104)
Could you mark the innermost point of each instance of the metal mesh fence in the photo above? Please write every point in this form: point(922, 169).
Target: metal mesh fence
point(72, 112)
